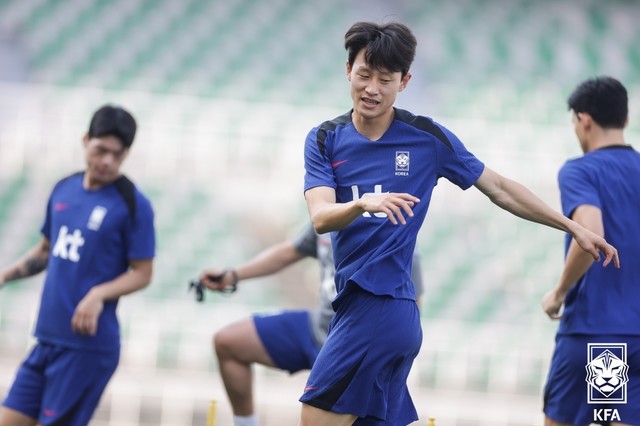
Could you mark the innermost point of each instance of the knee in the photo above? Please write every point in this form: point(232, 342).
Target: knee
point(223, 343)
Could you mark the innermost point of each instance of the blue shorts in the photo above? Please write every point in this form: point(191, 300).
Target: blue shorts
point(567, 392)
point(287, 337)
point(61, 386)
point(362, 368)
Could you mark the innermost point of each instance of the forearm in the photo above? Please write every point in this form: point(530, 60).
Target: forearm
point(335, 216)
point(32, 263)
point(577, 264)
point(520, 201)
point(269, 261)
point(131, 281)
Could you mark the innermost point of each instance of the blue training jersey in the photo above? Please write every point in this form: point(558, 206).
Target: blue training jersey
point(93, 237)
point(605, 300)
point(410, 157)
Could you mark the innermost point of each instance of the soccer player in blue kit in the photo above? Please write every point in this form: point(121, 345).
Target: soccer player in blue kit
point(599, 190)
point(369, 177)
point(98, 243)
point(288, 340)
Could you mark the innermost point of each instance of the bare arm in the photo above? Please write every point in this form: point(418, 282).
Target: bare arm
point(518, 200)
point(32, 263)
point(577, 261)
point(85, 317)
point(269, 261)
point(327, 215)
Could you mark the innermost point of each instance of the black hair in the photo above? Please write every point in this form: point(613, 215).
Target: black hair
point(112, 120)
point(390, 46)
point(604, 98)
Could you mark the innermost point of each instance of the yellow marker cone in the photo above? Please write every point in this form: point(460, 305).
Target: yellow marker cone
point(432, 421)
point(211, 417)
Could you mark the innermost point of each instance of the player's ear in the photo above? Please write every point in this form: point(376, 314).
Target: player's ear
point(404, 82)
point(85, 139)
point(348, 71)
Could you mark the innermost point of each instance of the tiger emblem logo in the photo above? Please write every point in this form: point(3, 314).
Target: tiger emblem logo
point(607, 373)
point(402, 161)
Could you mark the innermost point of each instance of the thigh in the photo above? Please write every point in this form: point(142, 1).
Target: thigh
point(240, 342)
point(312, 416)
point(287, 337)
point(11, 417)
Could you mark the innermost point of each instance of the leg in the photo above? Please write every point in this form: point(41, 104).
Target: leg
point(238, 347)
point(549, 422)
point(10, 417)
point(312, 416)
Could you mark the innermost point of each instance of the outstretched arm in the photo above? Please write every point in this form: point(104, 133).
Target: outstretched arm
point(269, 261)
point(518, 200)
point(577, 261)
point(32, 263)
point(327, 215)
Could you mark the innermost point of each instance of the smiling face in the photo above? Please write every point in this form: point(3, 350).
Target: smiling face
point(104, 156)
point(373, 90)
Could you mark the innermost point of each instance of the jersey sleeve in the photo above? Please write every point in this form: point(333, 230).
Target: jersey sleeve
point(141, 242)
point(456, 163)
point(576, 188)
point(317, 164)
point(306, 242)
point(45, 230)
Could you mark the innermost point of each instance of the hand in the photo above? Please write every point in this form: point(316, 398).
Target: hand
point(217, 279)
point(552, 304)
point(391, 204)
point(594, 244)
point(85, 317)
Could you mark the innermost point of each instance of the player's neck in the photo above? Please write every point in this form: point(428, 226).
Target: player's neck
point(92, 184)
point(606, 138)
point(375, 127)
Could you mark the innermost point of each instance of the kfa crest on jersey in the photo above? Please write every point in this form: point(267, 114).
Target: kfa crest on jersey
point(402, 161)
point(96, 218)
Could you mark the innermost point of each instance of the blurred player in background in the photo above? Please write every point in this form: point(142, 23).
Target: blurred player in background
point(97, 244)
point(289, 340)
point(599, 190)
point(369, 176)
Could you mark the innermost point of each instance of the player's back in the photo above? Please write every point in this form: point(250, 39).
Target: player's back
point(607, 300)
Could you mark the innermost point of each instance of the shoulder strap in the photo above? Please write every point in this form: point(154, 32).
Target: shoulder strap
point(127, 190)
